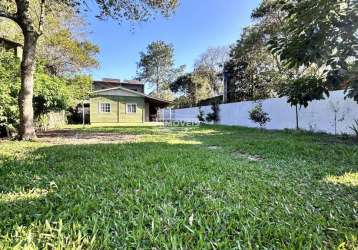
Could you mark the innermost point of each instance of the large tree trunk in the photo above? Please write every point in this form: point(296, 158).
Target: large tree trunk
point(27, 131)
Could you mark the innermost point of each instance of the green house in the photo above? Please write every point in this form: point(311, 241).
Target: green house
point(116, 101)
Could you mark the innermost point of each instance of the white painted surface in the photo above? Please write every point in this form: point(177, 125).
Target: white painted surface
point(319, 116)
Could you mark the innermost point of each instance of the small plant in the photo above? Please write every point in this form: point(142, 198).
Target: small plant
point(200, 116)
point(42, 123)
point(257, 115)
point(354, 128)
point(214, 116)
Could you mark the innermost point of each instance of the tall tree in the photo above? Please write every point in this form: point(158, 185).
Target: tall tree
point(51, 93)
point(211, 64)
point(253, 71)
point(193, 86)
point(156, 66)
point(31, 18)
point(323, 33)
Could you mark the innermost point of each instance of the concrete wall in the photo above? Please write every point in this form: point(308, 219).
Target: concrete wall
point(334, 114)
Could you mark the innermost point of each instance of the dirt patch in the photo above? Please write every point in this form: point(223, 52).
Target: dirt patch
point(73, 137)
point(241, 155)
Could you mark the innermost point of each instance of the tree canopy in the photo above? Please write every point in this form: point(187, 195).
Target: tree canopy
point(193, 86)
point(64, 46)
point(297, 48)
point(321, 34)
point(31, 17)
point(51, 93)
point(210, 64)
point(156, 67)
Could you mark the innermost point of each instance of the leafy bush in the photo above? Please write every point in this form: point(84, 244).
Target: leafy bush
point(42, 123)
point(354, 128)
point(51, 93)
point(9, 88)
point(303, 90)
point(200, 116)
point(257, 115)
point(214, 116)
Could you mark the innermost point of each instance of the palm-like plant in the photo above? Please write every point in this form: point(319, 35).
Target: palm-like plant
point(354, 128)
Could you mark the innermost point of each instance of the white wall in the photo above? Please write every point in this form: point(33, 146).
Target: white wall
point(319, 116)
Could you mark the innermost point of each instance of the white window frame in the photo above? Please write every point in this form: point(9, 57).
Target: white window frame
point(131, 111)
point(103, 108)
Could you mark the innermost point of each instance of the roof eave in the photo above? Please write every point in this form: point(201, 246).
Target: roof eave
point(134, 92)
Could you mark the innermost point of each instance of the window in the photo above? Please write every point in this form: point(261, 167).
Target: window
point(105, 107)
point(131, 108)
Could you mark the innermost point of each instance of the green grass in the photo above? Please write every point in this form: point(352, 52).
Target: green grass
point(181, 188)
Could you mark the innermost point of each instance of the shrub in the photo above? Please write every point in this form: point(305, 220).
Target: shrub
point(200, 116)
point(214, 116)
point(354, 128)
point(257, 115)
point(9, 88)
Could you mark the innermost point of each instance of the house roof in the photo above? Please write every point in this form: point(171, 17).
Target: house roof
point(2, 39)
point(119, 81)
point(155, 100)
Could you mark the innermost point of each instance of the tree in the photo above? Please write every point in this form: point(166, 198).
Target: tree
point(210, 64)
point(253, 72)
point(51, 93)
point(80, 87)
point(322, 33)
point(31, 20)
point(303, 90)
point(300, 82)
point(64, 46)
point(194, 86)
point(156, 67)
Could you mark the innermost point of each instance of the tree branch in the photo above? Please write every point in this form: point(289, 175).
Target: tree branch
point(42, 17)
point(8, 15)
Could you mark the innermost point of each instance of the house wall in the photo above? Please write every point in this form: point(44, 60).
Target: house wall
point(118, 112)
point(333, 115)
point(131, 117)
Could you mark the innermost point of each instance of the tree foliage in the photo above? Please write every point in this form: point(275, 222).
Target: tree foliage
point(30, 16)
point(297, 48)
point(194, 86)
point(321, 33)
point(51, 93)
point(156, 67)
point(9, 88)
point(210, 65)
point(304, 90)
point(79, 87)
point(64, 46)
point(253, 71)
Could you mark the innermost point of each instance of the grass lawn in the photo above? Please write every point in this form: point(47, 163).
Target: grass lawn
point(181, 188)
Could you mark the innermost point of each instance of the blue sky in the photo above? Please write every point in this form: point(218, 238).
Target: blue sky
point(196, 25)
